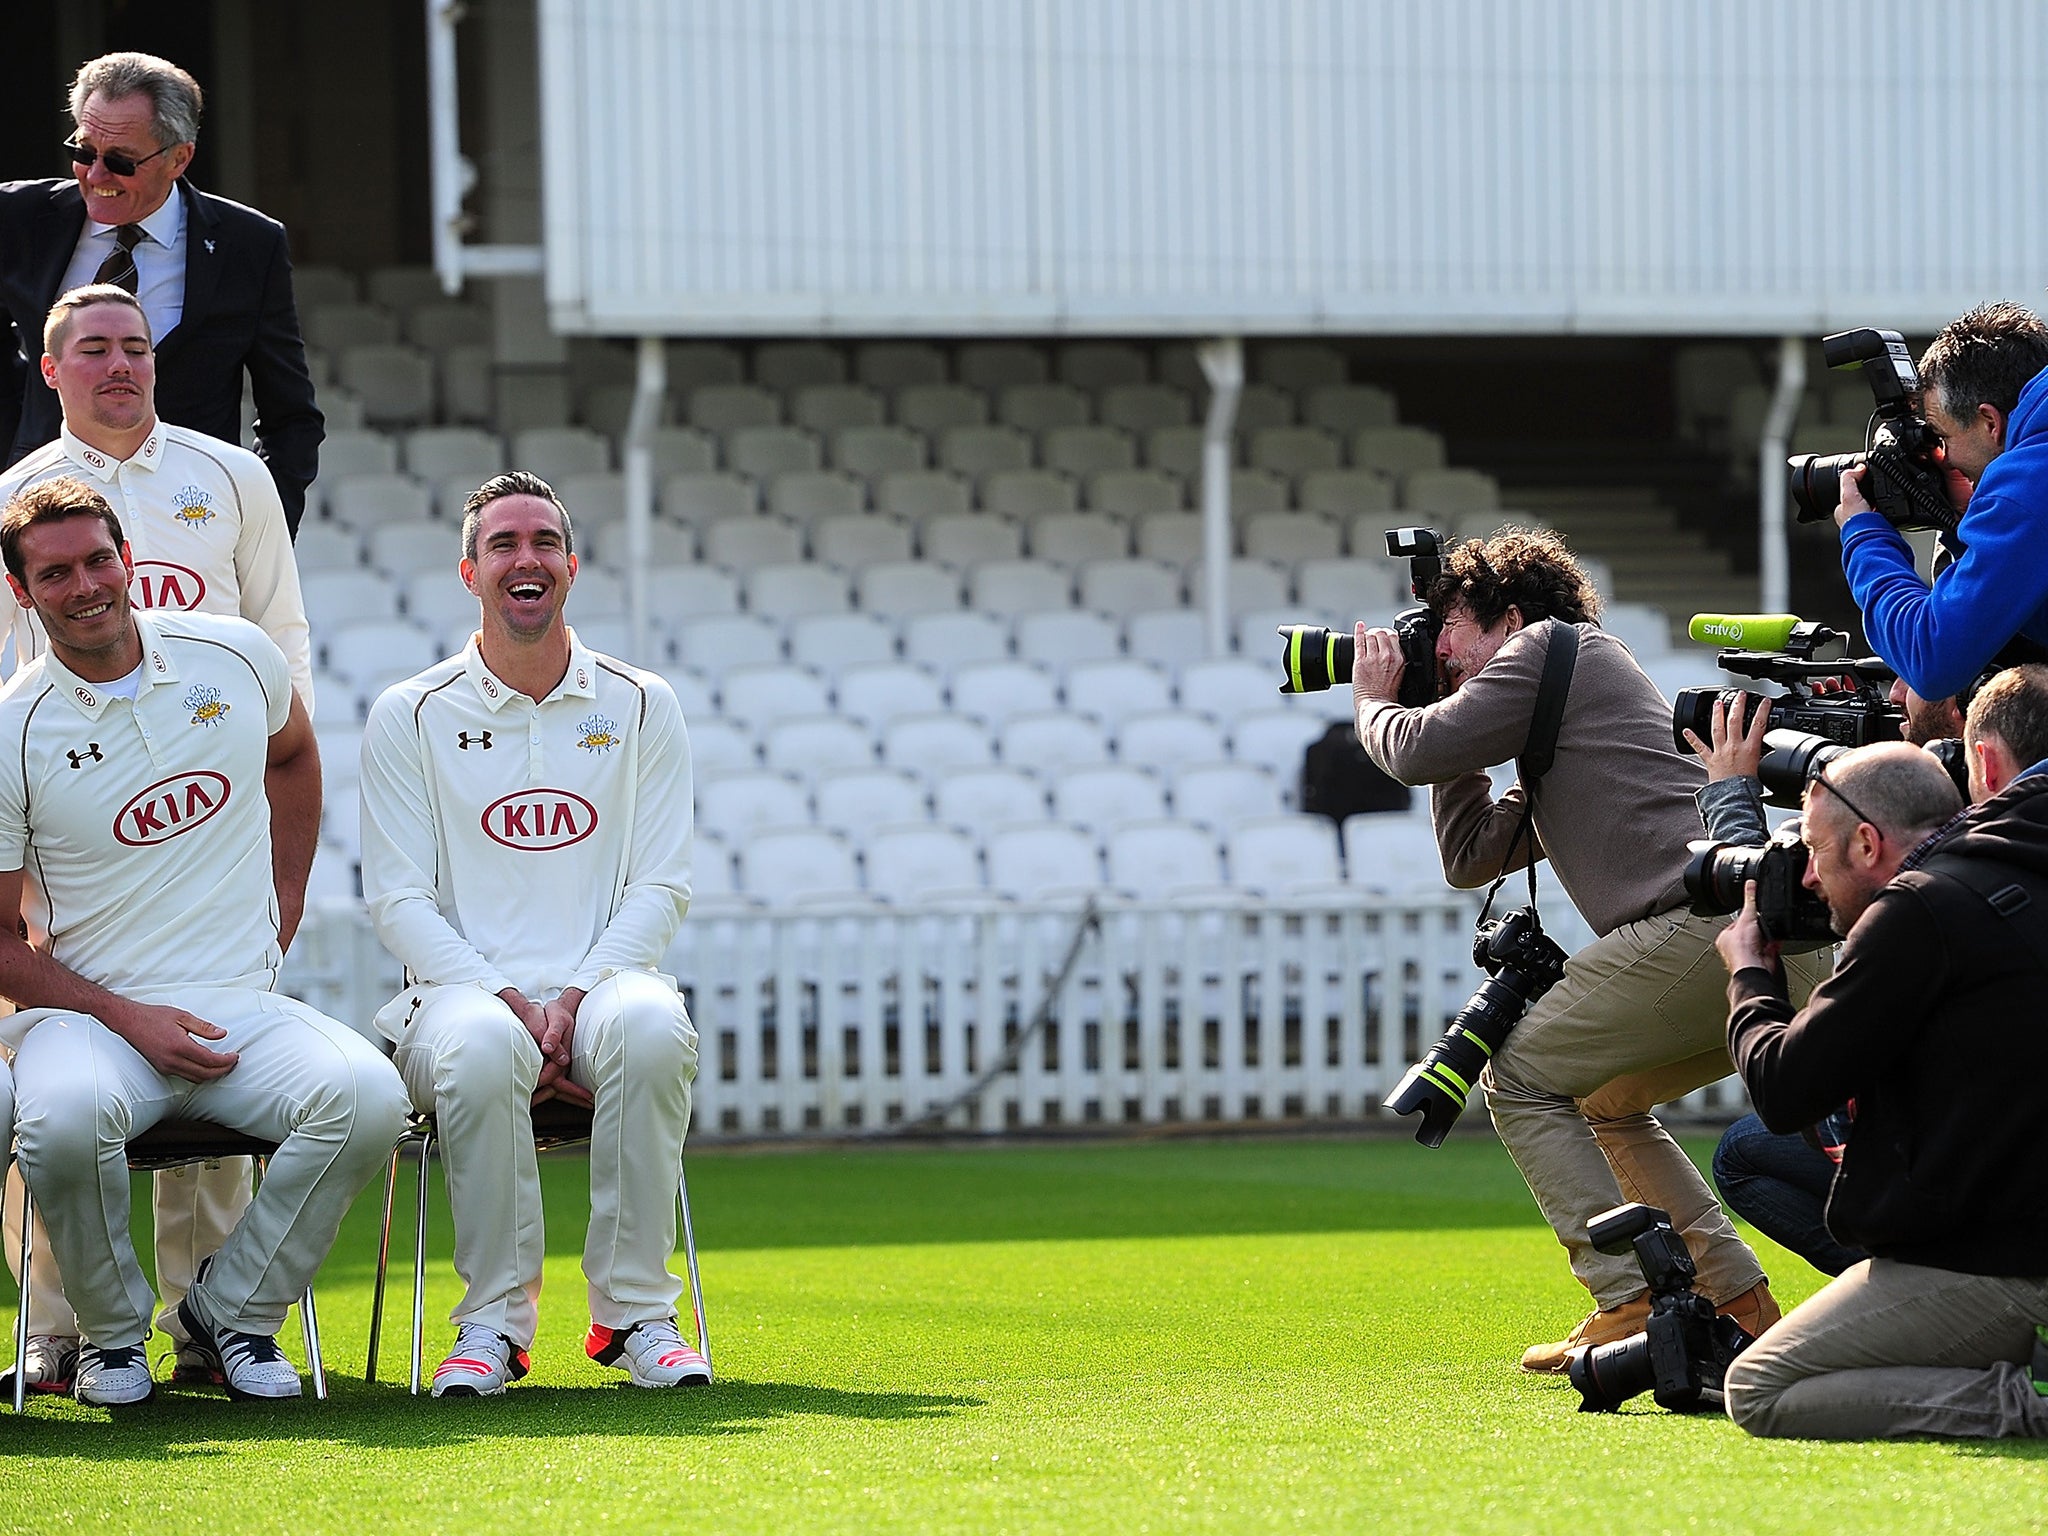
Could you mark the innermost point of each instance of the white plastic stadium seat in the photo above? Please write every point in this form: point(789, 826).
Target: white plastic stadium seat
point(1124, 587)
point(668, 543)
point(1014, 587)
point(326, 546)
point(1131, 493)
point(1392, 852)
point(1276, 739)
point(904, 589)
point(853, 543)
point(962, 539)
point(979, 451)
point(436, 599)
point(1226, 688)
point(1113, 689)
point(727, 408)
point(1169, 636)
point(1397, 451)
point(1141, 407)
point(1220, 795)
point(440, 453)
point(878, 692)
point(1253, 491)
point(760, 694)
point(853, 800)
point(808, 496)
point(1165, 738)
point(1178, 451)
point(918, 862)
point(1039, 863)
point(717, 744)
point(1287, 537)
point(977, 798)
point(792, 589)
point(798, 861)
point(395, 383)
point(1071, 538)
point(1029, 493)
point(765, 452)
point(895, 364)
point(1449, 492)
point(718, 642)
point(681, 451)
point(829, 643)
point(789, 365)
point(355, 452)
point(593, 499)
point(1172, 537)
point(1163, 858)
point(1346, 494)
point(1347, 409)
point(1051, 739)
point(1100, 365)
point(1254, 584)
point(694, 693)
point(1264, 405)
point(817, 744)
point(1107, 795)
point(1298, 364)
point(1643, 628)
point(1062, 637)
point(1344, 591)
point(946, 642)
point(1041, 407)
point(348, 596)
point(747, 543)
point(692, 364)
point(676, 593)
point(931, 744)
point(993, 691)
point(364, 502)
point(556, 453)
point(878, 451)
point(400, 549)
point(997, 365)
point(1283, 855)
point(829, 408)
point(934, 409)
point(740, 804)
point(922, 494)
point(1295, 451)
point(1084, 451)
point(378, 652)
point(442, 325)
point(334, 326)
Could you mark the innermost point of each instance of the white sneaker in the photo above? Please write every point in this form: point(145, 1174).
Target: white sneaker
point(250, 1364)
point(108, 1378)
point(52, 1362)
point(652, 1354)
point(483, 1363)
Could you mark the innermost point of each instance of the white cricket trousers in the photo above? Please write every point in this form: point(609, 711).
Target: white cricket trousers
point(468, 1060)
point(313, 1085)
point(197, 1206)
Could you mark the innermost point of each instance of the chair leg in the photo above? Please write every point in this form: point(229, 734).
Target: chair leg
point(383, 1264)
point(690, 1259)
point(309, 1319)
point(28, 1227)
point(419, 1265)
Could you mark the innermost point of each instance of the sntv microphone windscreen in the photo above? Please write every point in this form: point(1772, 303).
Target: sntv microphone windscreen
point(1746, 631)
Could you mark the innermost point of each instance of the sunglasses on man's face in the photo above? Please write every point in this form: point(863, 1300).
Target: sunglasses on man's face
point(117, 164)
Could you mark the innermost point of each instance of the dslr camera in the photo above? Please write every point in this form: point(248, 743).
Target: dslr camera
point(1521, 964)
point(1316, 658)
point(1681, 1357)
point(1716, 872)
point(1827, 692)
point(1903, 481)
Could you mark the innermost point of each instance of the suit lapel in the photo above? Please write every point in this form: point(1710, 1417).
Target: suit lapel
point(63, 221)
point(202, 263)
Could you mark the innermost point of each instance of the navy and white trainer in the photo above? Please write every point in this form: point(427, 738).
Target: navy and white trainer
point(250, 1364)
point(52, 1362)
point(111, 1377)
point(483, 1363)
point(652, 1354)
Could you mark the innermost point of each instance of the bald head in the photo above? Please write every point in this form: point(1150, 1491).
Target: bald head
point(1902, 791)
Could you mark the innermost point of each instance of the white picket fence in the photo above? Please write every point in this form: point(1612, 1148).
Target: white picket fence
point(836, 1022)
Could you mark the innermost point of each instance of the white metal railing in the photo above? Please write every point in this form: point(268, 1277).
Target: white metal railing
point(837, 1021)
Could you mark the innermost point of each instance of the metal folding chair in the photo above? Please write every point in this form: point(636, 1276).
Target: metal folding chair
point(167, 1144)
point(555, 1124)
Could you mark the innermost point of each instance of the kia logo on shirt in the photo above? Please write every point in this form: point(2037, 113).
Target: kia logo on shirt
point(539, 819)
point(170, 807)
point(160, 584)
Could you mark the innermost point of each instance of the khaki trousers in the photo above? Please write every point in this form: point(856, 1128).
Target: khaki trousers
point(1889, 1349)
point(1639, 1018)
point(316, 1087)
point(469, 1061)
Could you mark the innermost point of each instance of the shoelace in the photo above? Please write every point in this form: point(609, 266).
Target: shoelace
point(119, 1358)
point(243, 1349)
point(475, 1339)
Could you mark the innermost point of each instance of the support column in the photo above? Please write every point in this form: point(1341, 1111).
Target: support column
point(1774, 554)
point(1223, 364)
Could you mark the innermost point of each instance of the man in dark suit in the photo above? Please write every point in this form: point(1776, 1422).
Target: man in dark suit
point(215, 278)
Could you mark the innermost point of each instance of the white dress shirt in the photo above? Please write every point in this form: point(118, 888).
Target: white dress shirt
point(159, 263)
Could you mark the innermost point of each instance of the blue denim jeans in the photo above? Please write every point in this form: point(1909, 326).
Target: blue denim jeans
point(1779, 1185)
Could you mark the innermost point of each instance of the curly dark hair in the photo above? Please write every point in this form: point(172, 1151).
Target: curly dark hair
point(1525, 568)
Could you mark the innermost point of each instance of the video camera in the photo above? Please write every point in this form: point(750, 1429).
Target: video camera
point(1903, 482)
point(1681, 1357)
point(1315, 658)
point(1827, 693)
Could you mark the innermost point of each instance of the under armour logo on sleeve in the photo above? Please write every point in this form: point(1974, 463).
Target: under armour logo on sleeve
point(481, 739)
point(91, 754)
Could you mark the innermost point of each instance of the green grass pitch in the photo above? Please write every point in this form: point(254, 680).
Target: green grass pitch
point(1312, 1335)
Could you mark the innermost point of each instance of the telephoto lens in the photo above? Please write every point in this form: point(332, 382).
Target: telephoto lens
point(1315, 658)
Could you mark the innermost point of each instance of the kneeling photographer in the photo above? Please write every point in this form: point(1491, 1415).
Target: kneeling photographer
point(1926, 1026)
point(1613, 815)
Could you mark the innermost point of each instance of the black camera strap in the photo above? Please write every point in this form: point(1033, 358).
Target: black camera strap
point(2024, 917)
point(1539, 748)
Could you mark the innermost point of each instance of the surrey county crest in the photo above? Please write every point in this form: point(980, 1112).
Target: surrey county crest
point(206, 704)
point(194, 507)
point(597, 734)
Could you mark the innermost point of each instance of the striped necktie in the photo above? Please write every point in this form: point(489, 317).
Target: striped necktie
point(119, 268)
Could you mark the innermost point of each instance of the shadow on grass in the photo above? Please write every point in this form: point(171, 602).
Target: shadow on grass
point(182, 1424)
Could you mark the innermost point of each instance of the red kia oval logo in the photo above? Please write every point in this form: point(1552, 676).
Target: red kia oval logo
point(160, 584)
point(170, 807)
point(539, 819)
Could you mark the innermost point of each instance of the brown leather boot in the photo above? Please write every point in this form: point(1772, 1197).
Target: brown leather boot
point(1755, 1309)
point(1602, 1327)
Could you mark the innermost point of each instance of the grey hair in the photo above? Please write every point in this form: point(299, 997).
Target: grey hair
point(514, 482)
point(174, 96)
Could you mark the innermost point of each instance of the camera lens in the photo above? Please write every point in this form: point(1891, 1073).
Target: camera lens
point(1608, 1375)
point(1315, 658)
point(1816, 480)
point(1716, 873)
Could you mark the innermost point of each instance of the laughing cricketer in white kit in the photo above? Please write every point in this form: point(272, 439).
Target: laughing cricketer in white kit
point(159, 802)
point(526, 853)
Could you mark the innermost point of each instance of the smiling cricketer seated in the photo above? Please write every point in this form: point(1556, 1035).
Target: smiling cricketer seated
point(159, 802)
point(526, 854)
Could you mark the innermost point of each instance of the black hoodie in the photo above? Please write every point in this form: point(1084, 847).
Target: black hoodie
point(1936, 1023)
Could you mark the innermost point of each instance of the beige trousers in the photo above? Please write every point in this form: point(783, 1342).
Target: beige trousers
point(469, 1061)
point(1639, 1019)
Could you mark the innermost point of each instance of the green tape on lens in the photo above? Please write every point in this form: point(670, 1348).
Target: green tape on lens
point(1450, 1082)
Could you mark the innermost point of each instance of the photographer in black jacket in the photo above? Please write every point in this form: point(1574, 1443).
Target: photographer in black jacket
point(1927, 1026)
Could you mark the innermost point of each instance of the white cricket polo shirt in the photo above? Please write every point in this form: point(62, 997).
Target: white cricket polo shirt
point(142, 827)
point(204, 525)
point(509, 843)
